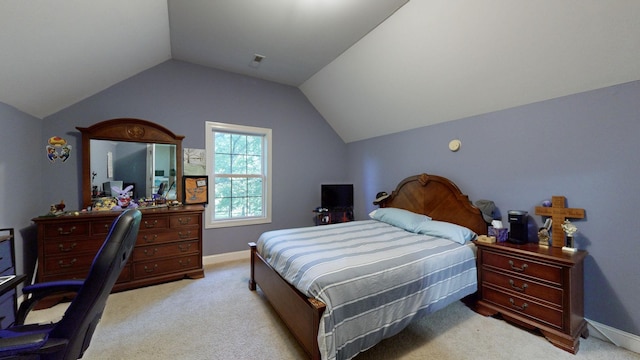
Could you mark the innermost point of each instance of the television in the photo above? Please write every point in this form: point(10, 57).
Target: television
point(336, 196)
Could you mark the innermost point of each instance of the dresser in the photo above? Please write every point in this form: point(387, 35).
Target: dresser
point(169, 246)
point(535, 287)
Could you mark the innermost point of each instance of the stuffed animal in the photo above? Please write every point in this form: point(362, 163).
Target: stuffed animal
point(123, 197)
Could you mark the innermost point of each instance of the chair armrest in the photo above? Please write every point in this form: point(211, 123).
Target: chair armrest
point(15, 344)
point(52, 287)
point(36, 292)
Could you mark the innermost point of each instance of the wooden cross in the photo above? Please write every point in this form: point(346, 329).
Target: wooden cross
point(558, 214)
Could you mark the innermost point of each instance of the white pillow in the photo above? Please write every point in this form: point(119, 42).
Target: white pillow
point(447, 230)
point(401, 218)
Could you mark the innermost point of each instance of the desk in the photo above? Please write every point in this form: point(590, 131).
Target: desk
point(8, 295)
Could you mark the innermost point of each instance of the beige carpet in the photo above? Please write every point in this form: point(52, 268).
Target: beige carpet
point(219, 318)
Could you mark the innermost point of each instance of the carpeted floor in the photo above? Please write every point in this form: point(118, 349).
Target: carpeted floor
point(219, 318)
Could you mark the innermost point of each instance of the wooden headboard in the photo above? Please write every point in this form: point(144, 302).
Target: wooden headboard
point(438, 198)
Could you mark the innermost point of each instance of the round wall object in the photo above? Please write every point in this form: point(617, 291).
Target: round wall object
point(454, 145)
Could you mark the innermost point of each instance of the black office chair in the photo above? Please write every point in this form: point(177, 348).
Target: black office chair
point(69, 338)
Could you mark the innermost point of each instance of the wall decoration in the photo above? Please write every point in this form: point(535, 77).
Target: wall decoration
point(194, 162)
point(57, 148)
point(195, 189)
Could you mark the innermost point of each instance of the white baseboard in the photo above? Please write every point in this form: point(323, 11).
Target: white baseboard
point(615, 336)
point(232, 256)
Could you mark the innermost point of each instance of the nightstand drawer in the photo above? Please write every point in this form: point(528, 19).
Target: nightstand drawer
point(526, 307)
point(523, 266)
point(523, 286)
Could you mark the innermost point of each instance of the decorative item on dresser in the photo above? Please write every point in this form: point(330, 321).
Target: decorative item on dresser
point(536, 287)
point(169, 246)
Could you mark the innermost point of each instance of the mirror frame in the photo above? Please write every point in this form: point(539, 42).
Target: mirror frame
point(130, 130)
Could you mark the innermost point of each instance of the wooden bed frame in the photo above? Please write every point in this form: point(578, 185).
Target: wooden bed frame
point(431, 195)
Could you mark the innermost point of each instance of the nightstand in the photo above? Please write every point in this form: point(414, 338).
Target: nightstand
point(332, 216)
point(535, 287)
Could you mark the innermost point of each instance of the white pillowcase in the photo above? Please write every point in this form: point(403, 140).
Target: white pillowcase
point(447, 230)
point(401, 218)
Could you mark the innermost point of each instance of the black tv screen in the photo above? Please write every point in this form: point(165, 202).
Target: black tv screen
point(337, 196)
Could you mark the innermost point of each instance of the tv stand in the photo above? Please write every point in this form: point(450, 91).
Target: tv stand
point(333, 216)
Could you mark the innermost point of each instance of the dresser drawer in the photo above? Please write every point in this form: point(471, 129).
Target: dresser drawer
point(515, 304)
point(66, 229)
point(185, 220)
point(146, 269)
point(56, 265)
point(156, 222)
point(81, 274)
point(524, 286)
point(101, 227)
point(158, 237)
point(142, 253)
point(62, 246)
point(523, 266)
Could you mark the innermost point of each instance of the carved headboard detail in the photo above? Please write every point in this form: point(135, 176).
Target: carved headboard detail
point(438, 198)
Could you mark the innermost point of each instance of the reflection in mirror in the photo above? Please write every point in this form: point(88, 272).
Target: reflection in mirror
point(134, 152)
point(149, 168)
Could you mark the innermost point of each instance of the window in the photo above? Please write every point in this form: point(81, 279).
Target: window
point(239, 166)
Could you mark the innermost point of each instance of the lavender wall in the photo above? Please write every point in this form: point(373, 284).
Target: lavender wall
point(580, 146)
point(21, 180)
point(181, 97)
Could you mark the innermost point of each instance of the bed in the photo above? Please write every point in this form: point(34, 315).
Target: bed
point(421, 272)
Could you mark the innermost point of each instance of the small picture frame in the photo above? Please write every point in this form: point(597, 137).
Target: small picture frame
point(195, 189)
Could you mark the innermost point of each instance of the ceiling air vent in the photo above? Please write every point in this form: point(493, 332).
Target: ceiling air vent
point(257, 59)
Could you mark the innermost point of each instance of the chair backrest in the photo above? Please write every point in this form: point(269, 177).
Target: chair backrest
point(84, 312)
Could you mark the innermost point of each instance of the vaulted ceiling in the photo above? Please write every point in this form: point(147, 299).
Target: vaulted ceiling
point(370, 67)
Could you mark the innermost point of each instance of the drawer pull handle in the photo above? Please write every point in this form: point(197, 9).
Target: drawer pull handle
point(523, 268)
point(62, 232)
point(185, 263)
point(62, 248)
point(150, 253)
point(184, 236)
point(184, 221)
point(514, 287)
point(521, 308)
point(70, 264)
point(184, 248)
point(147, 270)
point(152, 225)
point(150, 240)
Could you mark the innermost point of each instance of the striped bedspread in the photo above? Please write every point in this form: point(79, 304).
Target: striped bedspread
point(374, 278)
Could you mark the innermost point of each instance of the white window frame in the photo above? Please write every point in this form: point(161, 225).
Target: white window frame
point(210, 128)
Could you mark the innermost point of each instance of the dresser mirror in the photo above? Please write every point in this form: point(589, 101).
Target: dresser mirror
point(123, 152)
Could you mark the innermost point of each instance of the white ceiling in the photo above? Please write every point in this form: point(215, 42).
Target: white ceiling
point(430, 61)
